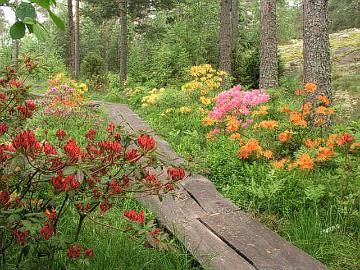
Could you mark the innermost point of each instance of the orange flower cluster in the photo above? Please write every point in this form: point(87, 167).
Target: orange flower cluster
point(253, 146)
point(324, 99)
point(285, 136)
point(297, 119)
point(324, 153)
point(262, 111)
point(233, 124)
point(305, 162)
point(311, 144)
point(269, 124)
point(310, 87)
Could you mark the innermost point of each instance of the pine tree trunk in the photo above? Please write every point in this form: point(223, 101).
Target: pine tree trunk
point(71, 37)
point(317, 67)
point(77, 40)
point(123, 41)
point(268, 45)
point(225, 36)
point(234, 23)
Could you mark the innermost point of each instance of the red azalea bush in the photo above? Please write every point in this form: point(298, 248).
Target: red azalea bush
point(40, 180)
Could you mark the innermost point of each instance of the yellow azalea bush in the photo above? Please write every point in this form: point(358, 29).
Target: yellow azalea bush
point(299, 135)
point(153, 97)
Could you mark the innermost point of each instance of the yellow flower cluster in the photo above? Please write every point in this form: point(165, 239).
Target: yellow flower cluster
point(130, 92)
point(205, 79)
point(153, 97)
point(185, 109)
point(167, 111)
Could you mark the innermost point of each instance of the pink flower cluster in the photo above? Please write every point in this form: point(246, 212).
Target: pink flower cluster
point(237, 102)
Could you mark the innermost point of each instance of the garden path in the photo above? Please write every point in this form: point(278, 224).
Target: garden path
point(212, 228)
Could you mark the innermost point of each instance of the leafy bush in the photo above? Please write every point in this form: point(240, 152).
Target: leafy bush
point(46, 179)
point(93, 69)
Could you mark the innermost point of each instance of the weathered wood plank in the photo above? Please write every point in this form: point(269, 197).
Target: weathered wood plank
point(266, 249)
point(207, 195)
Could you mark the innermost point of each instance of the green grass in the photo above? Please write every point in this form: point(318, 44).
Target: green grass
point(298, 205)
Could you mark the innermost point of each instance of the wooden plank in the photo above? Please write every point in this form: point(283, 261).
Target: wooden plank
point(207, 195)
point(264, 248)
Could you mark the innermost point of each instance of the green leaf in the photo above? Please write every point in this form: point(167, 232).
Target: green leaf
point(3, 2)
point(58, 22)
point(39, 32)
point(29, 20)
point(30, 28)
point(42, 3)
point(25, 10)
point(17, 30)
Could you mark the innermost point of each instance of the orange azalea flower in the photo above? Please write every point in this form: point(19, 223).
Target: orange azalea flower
point(320, 122)
point(305, 162)
point(285, 136)
point(324, 99)
point(299, 92)
point(235, 136)
point(244, 153)
point(269, 124)
point(330, 111)
point(310, 87)
point(324, 153)
point(306, 108)
point(262, 111)
point(279, 164)
point(321, 110)
point(208, 121)
point(267, 153)
point(346, 138)
point(296, 119)
point(246, 150)
point(253, 144)
point(311, 144)
point(233, 124)
point(331, 140)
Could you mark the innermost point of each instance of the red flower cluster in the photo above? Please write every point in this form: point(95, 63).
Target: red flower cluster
point(110, 147)
point(89, 252)
point(73, 151)
point(16, 84)
point(51, 215)
point(110, 128)
point(176, 174)
point(74, 253)
point(105, 206)
point(81, 207)
point(49, 149)
point(346, 138)
point(20, 237)
point(90, 135)
point(132, 155)
point(60, 134)
point(146, 142)
point(27, 141)
point(27, 110)
point(133, 216)
point(152, 180)
point(62, 184)
point(47, 231)
point(3, 128)
point(114, 187)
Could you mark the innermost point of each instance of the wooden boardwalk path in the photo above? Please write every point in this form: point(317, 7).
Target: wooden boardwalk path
point(212, 228)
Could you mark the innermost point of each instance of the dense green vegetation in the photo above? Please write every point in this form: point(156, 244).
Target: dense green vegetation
point(317, 210)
